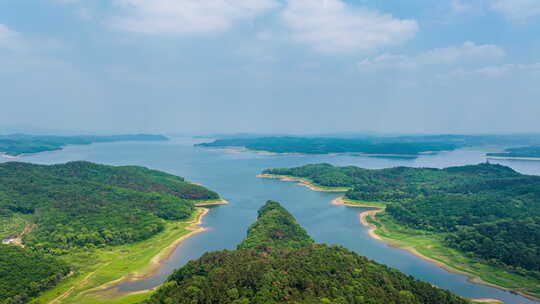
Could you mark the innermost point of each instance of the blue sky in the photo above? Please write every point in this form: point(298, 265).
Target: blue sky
point(298, 66)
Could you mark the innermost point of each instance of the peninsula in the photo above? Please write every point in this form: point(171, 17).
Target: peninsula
point(481, 220)
point(278, 262)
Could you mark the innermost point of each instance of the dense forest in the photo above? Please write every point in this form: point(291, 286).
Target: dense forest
point(330, 145)
point(531, 151)
point(278, 263)
point(82, 204)
point(23, 273)
point(16, 144)
point(397, 145)
point(487, 210)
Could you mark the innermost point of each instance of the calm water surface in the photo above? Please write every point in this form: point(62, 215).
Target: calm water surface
point(233, 176)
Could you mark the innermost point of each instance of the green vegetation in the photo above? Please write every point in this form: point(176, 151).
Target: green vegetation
point(278, 270)
point(23, 273)
point(488, 212)
point(400, 146)
point(526, 152)
point(81, 204)
point(21, 143)
point(96, 269)
point(331, 145)
point(81, 212)
point(275, 228)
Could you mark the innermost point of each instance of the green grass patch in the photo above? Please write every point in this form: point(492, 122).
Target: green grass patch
point(381, 205)
point(431, 245)
point(94, 268)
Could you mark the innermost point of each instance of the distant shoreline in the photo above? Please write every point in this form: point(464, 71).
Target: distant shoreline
point(512, 158)
point(240, 149)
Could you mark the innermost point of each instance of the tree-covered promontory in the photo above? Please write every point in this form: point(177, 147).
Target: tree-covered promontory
point(278, 263)
point(82, 204)
point(489, 211)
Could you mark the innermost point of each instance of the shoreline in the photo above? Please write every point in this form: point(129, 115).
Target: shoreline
point(212, 203)
point(471, 278)
point(240, 149)
point(155, 262)
point(512, 158)
point(301, 182)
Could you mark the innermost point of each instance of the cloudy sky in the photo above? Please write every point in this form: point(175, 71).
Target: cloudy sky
point(300, 66)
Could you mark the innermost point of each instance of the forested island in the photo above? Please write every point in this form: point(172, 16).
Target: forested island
point(17, 144)
point(279, 263)
point(526, 153)
point(86, 217)
point(306, 145)
point(487, 213)
point(376, 146)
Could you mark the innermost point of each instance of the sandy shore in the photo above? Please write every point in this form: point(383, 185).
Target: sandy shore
point(301, 182)
point(487, 301)
point(154, 264)
point(212, 203)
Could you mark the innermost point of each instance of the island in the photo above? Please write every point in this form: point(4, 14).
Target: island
point(83, 225)
point(481, 220)
point(278, 262)
point(521, 153)
point(374, 147)
point(17, 144)
point(409, 146)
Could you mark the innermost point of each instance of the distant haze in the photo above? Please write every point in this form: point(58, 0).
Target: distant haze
point(269, 66)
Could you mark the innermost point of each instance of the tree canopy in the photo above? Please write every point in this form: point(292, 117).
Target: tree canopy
point(487, 210)
point(291, 269)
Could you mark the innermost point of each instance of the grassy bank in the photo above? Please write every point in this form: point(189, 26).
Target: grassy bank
point(306, 182)
point(430, 246)
point(97, 269)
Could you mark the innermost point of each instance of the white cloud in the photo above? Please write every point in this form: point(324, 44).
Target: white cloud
point(467, 53)
point(186, 16)
point(516, 9)
point(8, 38)
point(332, 26)
point(460, 7)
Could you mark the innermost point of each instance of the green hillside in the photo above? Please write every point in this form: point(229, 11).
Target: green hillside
point(81, 204)
point(280, 271)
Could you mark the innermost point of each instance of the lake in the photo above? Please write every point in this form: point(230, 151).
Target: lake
point(232, 175)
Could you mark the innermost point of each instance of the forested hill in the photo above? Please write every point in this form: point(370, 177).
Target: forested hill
point(292, 274)
point(308, 145)
point(81, 204)
point(23, 273)
point(488, 210)
point(16, 144)
point(275, 228)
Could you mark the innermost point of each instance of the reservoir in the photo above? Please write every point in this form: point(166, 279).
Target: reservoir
point(233, 176)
